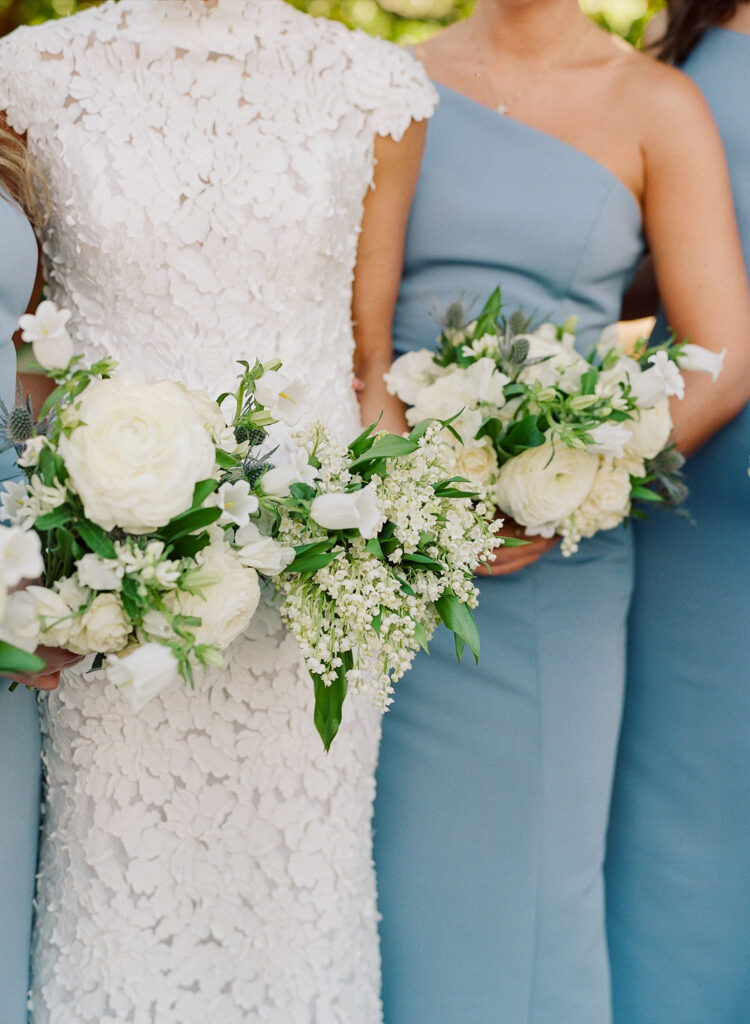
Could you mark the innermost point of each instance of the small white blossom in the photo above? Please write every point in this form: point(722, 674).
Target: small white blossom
point(696, 357)
point(285, 398)
point(29, 457)
point(237, 503)
point(48, 335)
point(144, 673)
point(100, 573)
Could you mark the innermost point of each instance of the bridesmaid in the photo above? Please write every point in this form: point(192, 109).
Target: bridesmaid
point(553, 148)
point(20, 763)
point(678, 868)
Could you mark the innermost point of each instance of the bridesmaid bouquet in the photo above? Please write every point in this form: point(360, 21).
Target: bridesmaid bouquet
point(157, 520)
point(564, 444)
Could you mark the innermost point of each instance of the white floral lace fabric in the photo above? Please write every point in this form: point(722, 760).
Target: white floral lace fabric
point(204, 860)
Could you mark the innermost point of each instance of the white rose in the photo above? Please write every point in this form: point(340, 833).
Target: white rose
point(46, 330)
point(696, 357)
point(477, 462)
point(650, 432)
point(55, 617)
point(138, 453)
point(20, 555)
point(100, 573)
point(607, 503)
point(609, 439)
point(20, 624)
point(358, 510)
point(143, 673)
point(262, 553)
point(410, 373)
point(104, 627)
point(284, 397)
point(542, 486)
point(237, 503)
point(226, 605)
point(277, 481)
point(72, 593)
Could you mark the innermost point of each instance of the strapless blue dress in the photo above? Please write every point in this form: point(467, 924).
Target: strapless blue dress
point(20, 764)
point(494, 781)
point(678, 866)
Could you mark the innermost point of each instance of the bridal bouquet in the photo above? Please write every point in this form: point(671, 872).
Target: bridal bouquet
point(562, 443)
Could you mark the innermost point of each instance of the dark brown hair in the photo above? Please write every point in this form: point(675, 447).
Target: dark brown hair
point(687, 21)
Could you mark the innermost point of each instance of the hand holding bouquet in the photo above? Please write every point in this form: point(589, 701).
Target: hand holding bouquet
point(562, 443)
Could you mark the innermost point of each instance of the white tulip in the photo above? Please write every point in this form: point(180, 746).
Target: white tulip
point(20, 555)
point(237, 503)
point(285, 398)
point(609, 439)
point(358, 510)
point(277, 481)
point(100, 573)
point(50, 341)
point(137, 454)
point(144, 673)
point(262, 553)
point(696, 357)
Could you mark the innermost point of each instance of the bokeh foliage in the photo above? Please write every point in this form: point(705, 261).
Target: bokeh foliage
point(405, 21)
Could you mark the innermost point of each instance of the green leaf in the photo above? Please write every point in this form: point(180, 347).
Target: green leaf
point(311, 563)
point(57, 517)
point(96, 538)
point(420, 430)
point(522, 435)
point(190, 545)
point(224, 460)
point(389, 447)
point(588, 381)
point(420, 634)
point(364, 441)
point(644, 494)
point(302, 492)
point(373, 547)
point(202, 490)
point(329, 701)
point(377, 622)
point(189, 522)
point(51, 401)
point(458, 618)
point(16, 661)
point(422, 561)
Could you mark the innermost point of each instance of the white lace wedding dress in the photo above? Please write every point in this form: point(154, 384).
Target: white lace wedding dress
point(204, 861)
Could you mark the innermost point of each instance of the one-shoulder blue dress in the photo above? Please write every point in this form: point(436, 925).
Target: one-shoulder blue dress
point(678, 867)
point(494, 781)
point(20, 764)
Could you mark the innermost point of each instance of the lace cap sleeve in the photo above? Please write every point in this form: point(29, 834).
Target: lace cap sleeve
point(390, 84)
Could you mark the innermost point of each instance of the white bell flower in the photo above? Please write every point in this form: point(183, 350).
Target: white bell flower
point(262, 553)
point(285, 397)
point(696, 357)
point(20, 555)
point(48, 335)
point(142, 674)
point(609, 439)
point(237, 503)
point(358, 510)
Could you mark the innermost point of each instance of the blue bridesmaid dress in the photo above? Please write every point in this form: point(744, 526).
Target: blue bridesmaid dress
point(20, 759)
point(494, 781)
point(678, 864)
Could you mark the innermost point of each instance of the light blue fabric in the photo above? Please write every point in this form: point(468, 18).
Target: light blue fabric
point(20, 764)
point(494, 782)
point(678, 868)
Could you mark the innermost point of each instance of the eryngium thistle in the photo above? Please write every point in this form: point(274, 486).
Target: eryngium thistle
point(254, 470)
point(20, 425)
point(253, 435)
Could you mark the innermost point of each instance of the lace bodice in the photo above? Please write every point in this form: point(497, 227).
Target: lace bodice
point(204, 860)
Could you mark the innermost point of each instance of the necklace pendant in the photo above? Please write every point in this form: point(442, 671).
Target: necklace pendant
point(502, 108)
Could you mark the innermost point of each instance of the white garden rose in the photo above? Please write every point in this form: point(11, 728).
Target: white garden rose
point(143, 673)
point(55, 616)
point(410, 373)
point(477, 461)
point(104, 627)
point(650, 432)
point(138, 453)
point(225, 605)
point(20, 624)
point(542, 486)
point(607, 503)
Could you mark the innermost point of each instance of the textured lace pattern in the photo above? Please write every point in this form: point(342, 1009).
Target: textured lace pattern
point(204, 860)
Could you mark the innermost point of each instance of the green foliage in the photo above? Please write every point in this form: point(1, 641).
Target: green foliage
point(403, 21)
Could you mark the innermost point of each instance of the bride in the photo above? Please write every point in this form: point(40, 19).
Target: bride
point(207, 163)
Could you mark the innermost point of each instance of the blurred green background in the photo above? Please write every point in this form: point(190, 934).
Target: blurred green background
point(405, 21)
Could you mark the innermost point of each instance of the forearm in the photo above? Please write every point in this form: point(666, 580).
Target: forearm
point(709, 406)
point(37, 388)
point(373, 396)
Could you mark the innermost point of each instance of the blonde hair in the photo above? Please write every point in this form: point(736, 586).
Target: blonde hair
point(21, 180)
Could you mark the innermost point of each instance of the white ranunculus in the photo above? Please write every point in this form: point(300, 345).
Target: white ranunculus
point(298, 470)
point(143, 673)
point(227, 604)
point(48, 335)
point(262, 553)
point(20, 555)
point(477, 462)
point(358, 510)
point(104, 627)
point(410, 373)
point(696, 357)
point(237, 503)
point(542, 486)
point(20, 624)
point(609, 439)
point(138, 453)
point(607, 503)
point(100, 573)
point(650, 433)
point(285, 398)
point(54, 615)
